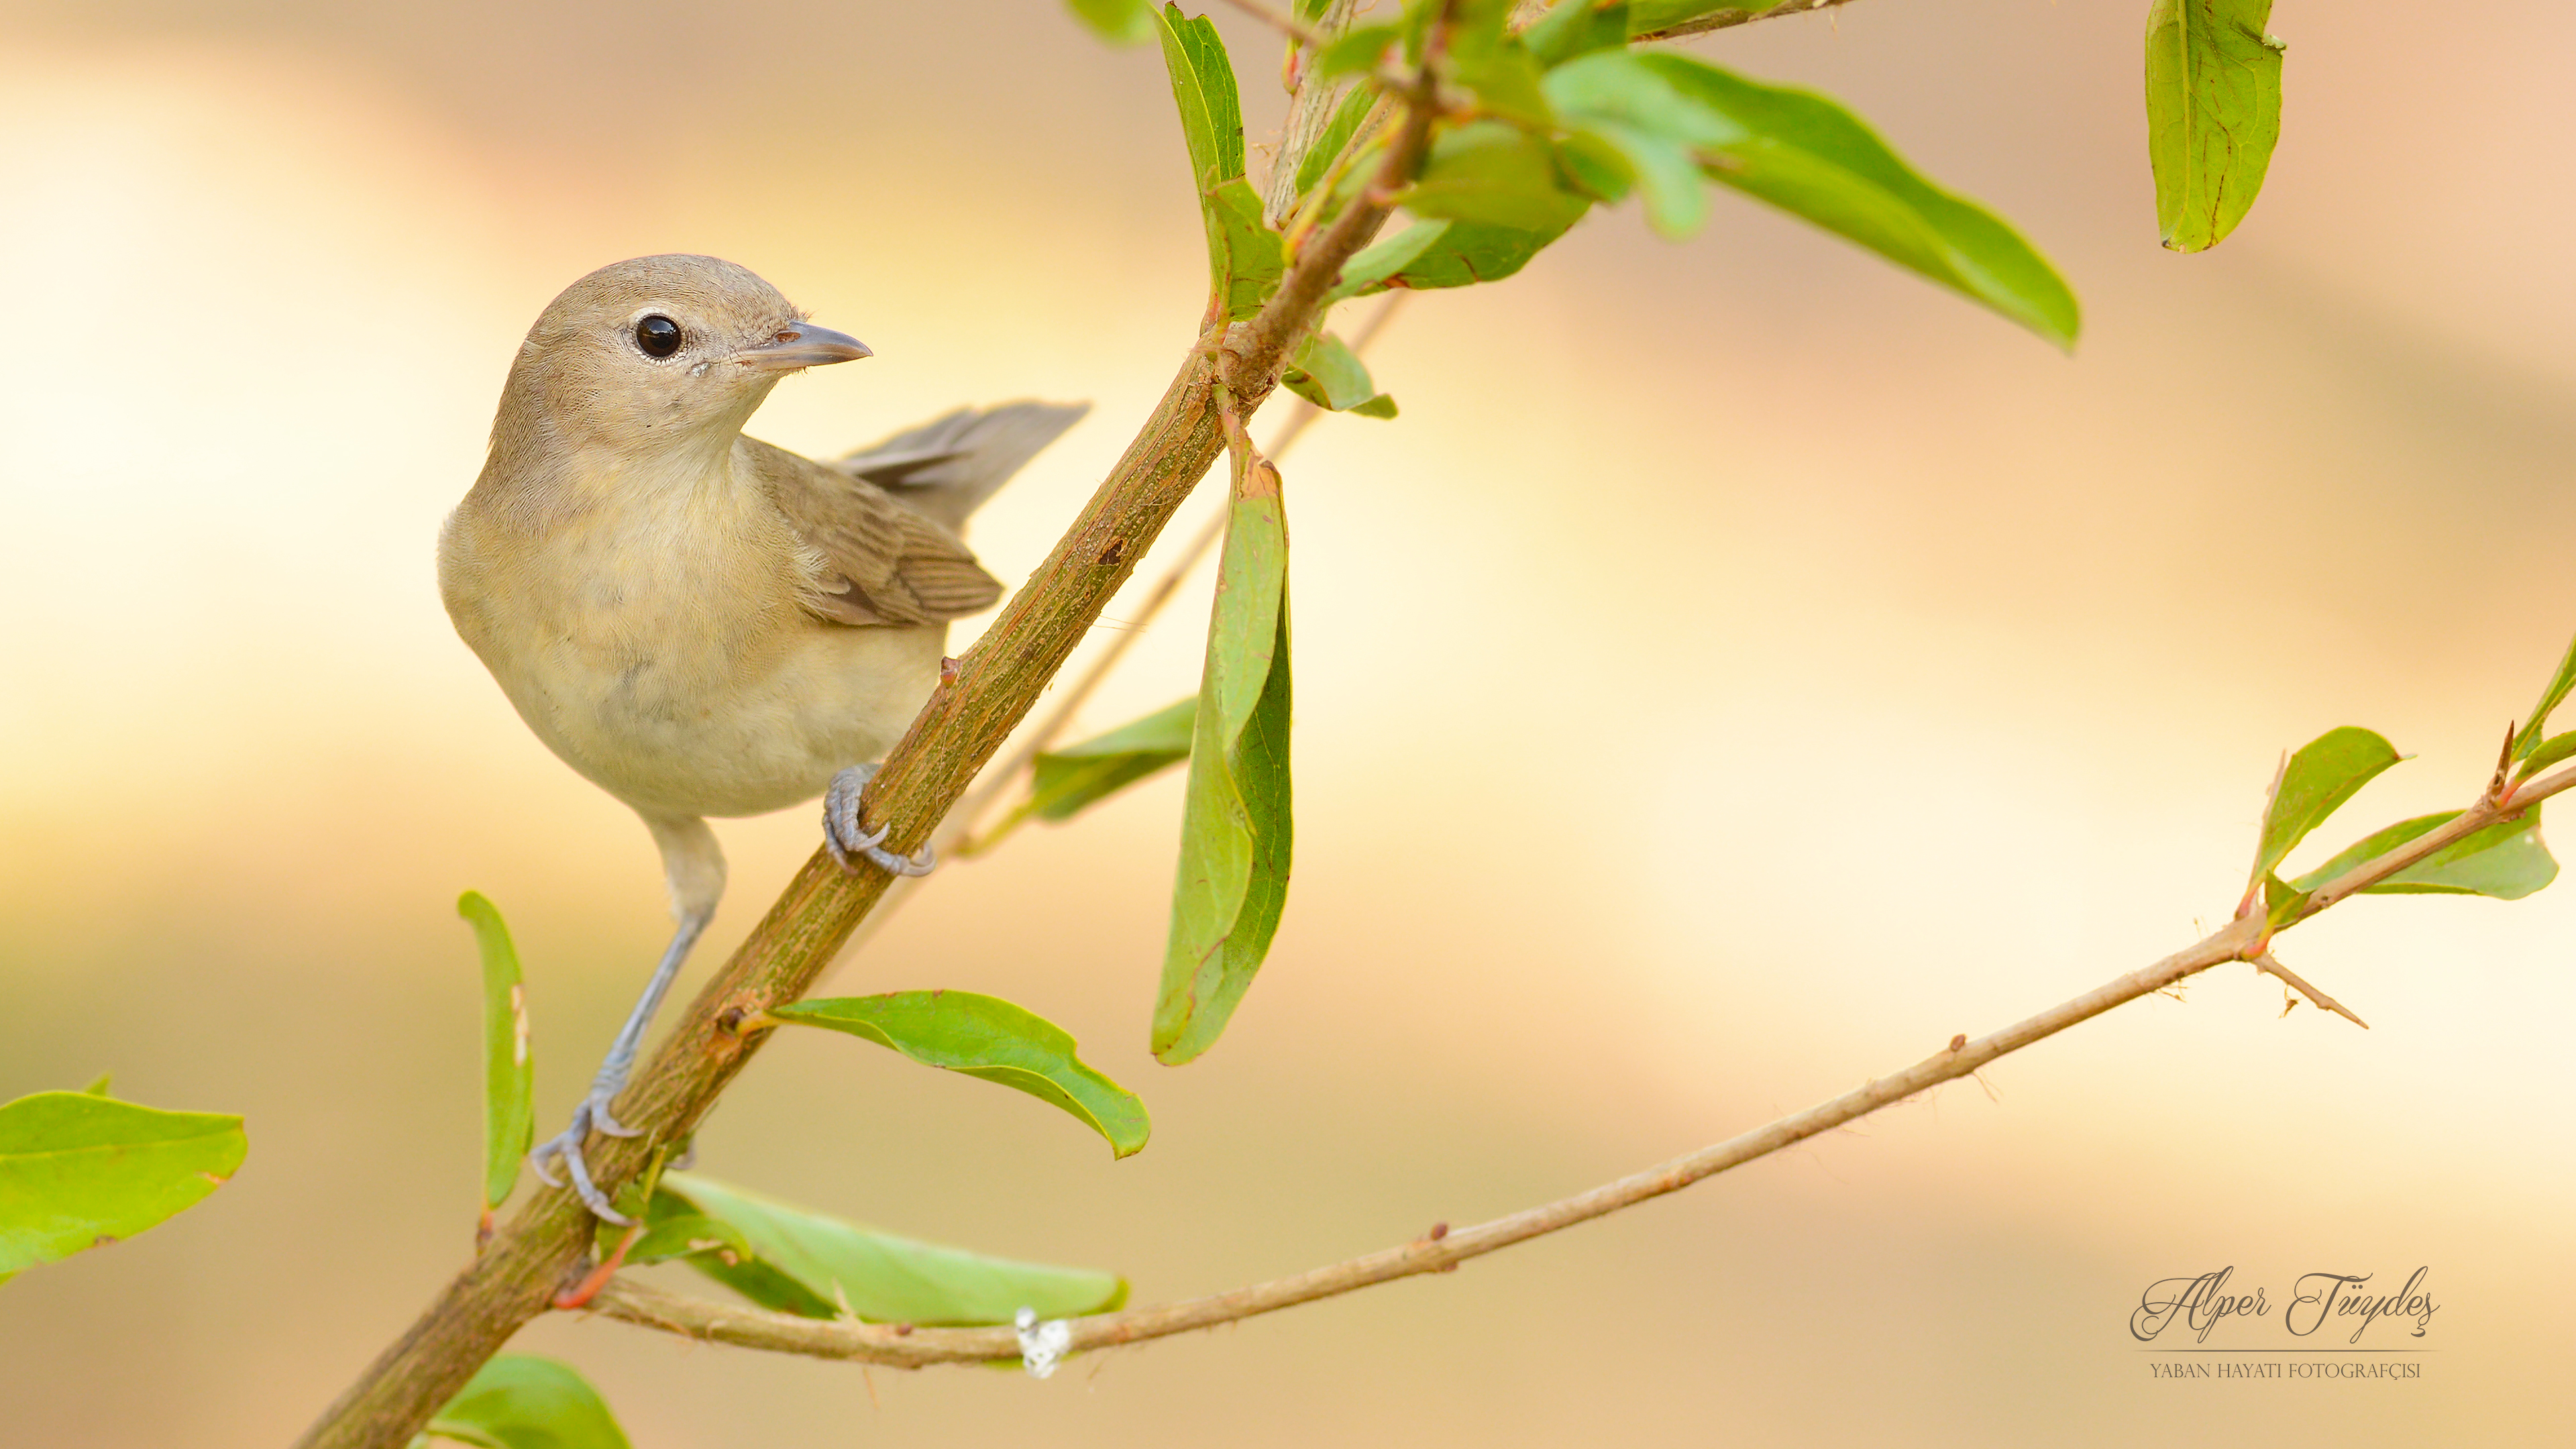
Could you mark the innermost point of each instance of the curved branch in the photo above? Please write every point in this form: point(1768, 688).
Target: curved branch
point(2243, 939)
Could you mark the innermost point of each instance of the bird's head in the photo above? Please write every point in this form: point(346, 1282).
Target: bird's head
point(658, 355)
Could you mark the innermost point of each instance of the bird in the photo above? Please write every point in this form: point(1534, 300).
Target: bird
point(700, 623)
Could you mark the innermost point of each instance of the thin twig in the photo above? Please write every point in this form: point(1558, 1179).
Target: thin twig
point(2240, 939)
point(1729, 19)
point(2266, 961)
point(1286, 24)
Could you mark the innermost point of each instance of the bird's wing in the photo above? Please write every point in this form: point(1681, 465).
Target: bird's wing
point(948, 466)
point(877, 562)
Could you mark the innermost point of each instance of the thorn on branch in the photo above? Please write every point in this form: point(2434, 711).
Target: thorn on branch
point(2265, 961)
point(1959, 1043)
point(2504, 766)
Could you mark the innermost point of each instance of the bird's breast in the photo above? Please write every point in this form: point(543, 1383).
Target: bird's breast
point(659, 645)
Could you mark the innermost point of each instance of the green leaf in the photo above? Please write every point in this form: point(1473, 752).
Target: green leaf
point(1504, 79)
point(1810, 157)
point(1578, 27)
point(1120, 22)
point(1328, 374)
point(1344, 124)
point(2507, 860)
point(2529, 738)
point(517, 1401)
point(1472, 252)
point(810, 1263)
point(1370, 269)
point(674, 1230)
point(2549, 752)
point(1664, 169)
point(1597, 167)
point(986, 1037)
point(1076, 777)
point(1245, 256)
point(2318, 779)
point(1632, 90)
point(1235, 829)
point(509, 1080)
point(98, 1085)
point(2282, 902)
point(1486, 171)
point(1203, 88)
point(2213, 114)
point(81, 1171)
point(1245, 260)
point(1357, 49)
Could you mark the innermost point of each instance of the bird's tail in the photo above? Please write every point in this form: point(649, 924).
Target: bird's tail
point(947, 467)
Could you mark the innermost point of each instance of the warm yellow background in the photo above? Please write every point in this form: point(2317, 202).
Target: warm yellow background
point(1741, 668)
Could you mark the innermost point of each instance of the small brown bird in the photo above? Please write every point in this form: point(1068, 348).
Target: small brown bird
point(699, 622)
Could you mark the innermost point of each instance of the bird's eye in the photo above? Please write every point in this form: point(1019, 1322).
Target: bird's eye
point(658, 335)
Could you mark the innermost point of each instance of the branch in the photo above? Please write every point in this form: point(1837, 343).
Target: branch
point(1729, 19)
point(1308, 113)
point(1286, 24)
point(515, 1276)
point(2243, 939)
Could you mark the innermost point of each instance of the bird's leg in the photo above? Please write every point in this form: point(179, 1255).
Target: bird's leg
point(611, 1078)
point(846, 837)
point(695, 868)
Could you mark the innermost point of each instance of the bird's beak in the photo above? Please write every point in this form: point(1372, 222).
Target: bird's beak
point(801, 344)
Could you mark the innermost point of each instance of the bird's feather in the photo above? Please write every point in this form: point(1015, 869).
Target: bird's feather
point(948, 466)
point(872, 560)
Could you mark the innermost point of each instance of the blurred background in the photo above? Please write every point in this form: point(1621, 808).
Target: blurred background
point(1742, 667)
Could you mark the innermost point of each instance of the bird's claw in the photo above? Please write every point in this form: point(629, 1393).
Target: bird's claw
point(599, 1118)
point(845, 836)
point(566, 1146)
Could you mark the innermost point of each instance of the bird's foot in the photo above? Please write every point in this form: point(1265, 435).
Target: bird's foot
point(566, 1146)
point(845, 837)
